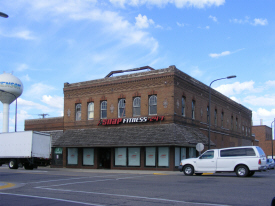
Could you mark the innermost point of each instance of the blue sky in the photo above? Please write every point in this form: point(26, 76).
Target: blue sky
point(50, 42)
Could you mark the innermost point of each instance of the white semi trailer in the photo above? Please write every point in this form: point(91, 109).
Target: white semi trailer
point(28, 149)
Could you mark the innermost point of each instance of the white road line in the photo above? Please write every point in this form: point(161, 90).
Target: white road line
point(131, 196)
point(71, 183)
point(49, 198)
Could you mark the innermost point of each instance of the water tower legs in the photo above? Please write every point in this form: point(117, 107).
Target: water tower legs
point(6, 108)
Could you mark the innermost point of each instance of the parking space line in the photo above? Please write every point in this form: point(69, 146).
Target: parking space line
point(7, 185)
point(131, 196)
point(49, 198)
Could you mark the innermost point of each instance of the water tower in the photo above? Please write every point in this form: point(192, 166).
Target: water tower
point(10, 89)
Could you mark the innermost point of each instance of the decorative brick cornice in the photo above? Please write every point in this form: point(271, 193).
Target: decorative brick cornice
point(153, 92)
point(103, 98)
point(136, 94)
point(121, 96)
point(90, 99)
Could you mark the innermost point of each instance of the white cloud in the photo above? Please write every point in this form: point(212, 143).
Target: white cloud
point(56, 101)
point(143, 21)
point(196, 72)
point(270, 83)
point(162, 3)
point(25, 78)
point(266, 115)
point(213, 18)
point(180, 24)
point(22, 67)
point(236, 99)
point(23, 34)
point(266, 100)
point(261, 22)
point(255, 22)
point(27, 105)
point(39, 89)
point(215, 55)
point(236, 88)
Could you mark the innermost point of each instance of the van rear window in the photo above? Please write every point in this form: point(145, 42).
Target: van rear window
point(237, 152)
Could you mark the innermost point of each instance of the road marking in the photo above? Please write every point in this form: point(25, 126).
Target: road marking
point(207, 173)
point(49, 198)
point(8, 185)
point(159, 174)
point(131, 196)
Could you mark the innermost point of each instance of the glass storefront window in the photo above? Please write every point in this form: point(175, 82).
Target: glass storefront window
point(120, 157)
point(150, 156)
point(192, 152)
point(163, 156)
point(180, 154)
point(134, 156)
point(72, 156)
point(88, 156)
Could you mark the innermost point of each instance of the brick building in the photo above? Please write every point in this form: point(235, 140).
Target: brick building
point(263, 134)
point(143, 120)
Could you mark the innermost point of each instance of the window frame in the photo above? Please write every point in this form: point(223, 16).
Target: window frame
point(90, 111)
point(103, 109)
point(78, 108)
point(121, 105)
point(183, 103)
point(136, 106)
point(152, 103)
point(193, 109)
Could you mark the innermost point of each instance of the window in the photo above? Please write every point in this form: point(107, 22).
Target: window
point(215, 116)
point(192, 152)
point(208, 155)
point(232, 122)
point(238, 152)
point(150, 156)
point(78, 112)
point(183, 106)
point(120, 156)
point(72, 156)
point(133, 156)
point(222, 119)
point(163, 156)
point(121, 108)
point(180, 154)
point(193, 109)
point(152, 105)
point(103, 109)
point(136, 106)
point(236, 124)
point(91, 110)
point(88, 156)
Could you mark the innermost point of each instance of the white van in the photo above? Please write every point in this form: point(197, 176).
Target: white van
point(244, 161)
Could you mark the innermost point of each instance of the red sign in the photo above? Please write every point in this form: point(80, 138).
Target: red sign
point(117, 121)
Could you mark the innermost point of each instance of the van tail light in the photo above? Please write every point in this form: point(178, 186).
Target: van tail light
point(260, 162)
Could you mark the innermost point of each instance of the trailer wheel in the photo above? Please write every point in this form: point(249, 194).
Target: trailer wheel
point(13, 164)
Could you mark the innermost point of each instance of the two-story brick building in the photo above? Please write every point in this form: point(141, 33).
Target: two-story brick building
point(143, 120)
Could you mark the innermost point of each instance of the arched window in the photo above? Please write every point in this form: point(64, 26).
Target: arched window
point(215, 117)
point(103, 109)
point(91, 110)
point(121, 108)
point(183, 106)
point(78, 112)
point(222, 116)
point(136, 106)
point(193, 109)
point(153, 105)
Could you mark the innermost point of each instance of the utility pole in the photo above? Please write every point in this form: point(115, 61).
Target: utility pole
point(43, 115)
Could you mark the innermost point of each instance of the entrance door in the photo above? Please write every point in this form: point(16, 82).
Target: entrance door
point(104, 158)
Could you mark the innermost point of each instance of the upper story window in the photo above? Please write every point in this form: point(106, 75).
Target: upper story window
point(236, 124)
point(103, 109)
point(193, 109)
point(183, 106)
point(121, 108)
point(91, 110)
point(136, 106)
point(152, 105)
point(215, 117)
point(78, 112)
point(232, 122)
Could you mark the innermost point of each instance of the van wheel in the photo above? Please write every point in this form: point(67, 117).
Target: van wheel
point(13, 164)
point(188, 170)
point(242, 171)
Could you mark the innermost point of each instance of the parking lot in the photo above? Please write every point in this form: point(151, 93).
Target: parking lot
point(51, 186)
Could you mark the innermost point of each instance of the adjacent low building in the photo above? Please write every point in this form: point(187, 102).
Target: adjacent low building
point(142, 120)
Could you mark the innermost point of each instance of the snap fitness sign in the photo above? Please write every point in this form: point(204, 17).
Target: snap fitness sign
point(118, 121)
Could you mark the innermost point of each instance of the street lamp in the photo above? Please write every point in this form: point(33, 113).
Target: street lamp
point(15, 108)
point(3, 15)
point(271, 137)
point(209, 110)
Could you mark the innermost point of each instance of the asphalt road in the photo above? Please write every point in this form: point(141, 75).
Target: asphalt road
point(51, 186)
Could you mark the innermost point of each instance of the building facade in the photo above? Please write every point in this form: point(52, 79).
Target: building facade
point(263, 134)
point(143, 120)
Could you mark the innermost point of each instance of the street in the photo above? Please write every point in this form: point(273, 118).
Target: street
point(53, 186)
